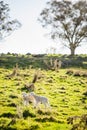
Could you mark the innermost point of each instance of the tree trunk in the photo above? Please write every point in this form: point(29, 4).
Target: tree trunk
point(72, 49)
point(72, 52)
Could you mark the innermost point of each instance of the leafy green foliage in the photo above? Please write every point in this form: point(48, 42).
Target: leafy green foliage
point(66, 20)
point(7, 26)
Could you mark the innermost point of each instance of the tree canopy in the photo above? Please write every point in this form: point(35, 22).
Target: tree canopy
point(7, 26)
point(67, 20)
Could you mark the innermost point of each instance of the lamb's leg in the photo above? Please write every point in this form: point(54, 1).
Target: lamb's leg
point(26, 103)
point(35, 104)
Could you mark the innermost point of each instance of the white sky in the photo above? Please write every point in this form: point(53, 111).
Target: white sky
point(30, 37)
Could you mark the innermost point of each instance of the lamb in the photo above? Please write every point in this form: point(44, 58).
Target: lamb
point(40, 99)
point(28, 98)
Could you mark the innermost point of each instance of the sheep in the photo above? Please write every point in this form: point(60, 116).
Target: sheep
point(28, 98)
point(40, 99)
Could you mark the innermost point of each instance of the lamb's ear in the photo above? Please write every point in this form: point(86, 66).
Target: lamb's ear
point(31, 93)
point(23, 93)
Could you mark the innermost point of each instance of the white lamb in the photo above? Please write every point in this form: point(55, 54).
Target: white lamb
point(40, 99)
point(28, 98)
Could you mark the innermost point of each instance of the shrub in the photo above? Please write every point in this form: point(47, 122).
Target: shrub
point(27, 113)
point(78, 122)
point(9, 114)
point(13, 96)
point(12, 105)
point(7, 128)
point(85, 93)
point(78, 73)
point(41, 112)
point(84, 74)
point(47, 119)
point(69, 72)
point(34, 127)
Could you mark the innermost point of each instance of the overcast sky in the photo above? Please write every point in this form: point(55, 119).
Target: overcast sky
point(31, 36)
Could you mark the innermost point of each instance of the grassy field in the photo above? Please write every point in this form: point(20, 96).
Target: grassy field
point(66, 90)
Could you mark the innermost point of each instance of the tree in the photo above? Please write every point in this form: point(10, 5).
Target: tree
point(66, 20)
point(7, 26)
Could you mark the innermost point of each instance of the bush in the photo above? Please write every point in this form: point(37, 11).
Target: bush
point(9, 114)
point(78, 73)
point(69, 72)
point(47, 119)
point(27, 113)
point(78, 122)
point(41, 112)
point(12, 105)
point(34, 127)
point(85, 93)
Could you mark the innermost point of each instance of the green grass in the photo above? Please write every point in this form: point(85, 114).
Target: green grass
point(66, 94)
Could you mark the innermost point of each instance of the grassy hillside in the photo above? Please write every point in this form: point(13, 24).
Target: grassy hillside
point(66, 90)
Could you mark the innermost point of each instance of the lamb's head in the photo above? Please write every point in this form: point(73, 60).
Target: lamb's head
point(24, 94)
point(32, 93)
